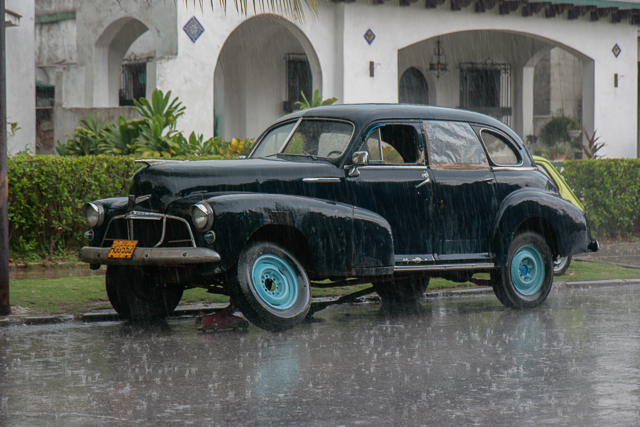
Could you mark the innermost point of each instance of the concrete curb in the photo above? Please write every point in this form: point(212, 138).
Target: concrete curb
point(192, 310)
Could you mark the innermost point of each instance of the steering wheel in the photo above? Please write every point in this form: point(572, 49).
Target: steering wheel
point(337, 152)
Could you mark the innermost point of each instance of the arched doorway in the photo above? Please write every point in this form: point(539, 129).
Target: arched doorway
point(413, 88)
point(111, 48)
point(264, 65)
point(491, 71)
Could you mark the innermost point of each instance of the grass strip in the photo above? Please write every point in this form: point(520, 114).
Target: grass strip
point(75, 295)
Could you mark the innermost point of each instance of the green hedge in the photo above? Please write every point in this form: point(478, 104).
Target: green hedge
point(610, 189)
point(46, 195)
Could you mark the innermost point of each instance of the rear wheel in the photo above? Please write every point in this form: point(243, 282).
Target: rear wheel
point(270, 287)
point(526, 280)
point(140, 294)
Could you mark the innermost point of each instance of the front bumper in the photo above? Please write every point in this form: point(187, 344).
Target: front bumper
point(151, 256)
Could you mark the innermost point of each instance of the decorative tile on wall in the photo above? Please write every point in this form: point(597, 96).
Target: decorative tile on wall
point(194, 29)
point(369, 36)
point(616, 50)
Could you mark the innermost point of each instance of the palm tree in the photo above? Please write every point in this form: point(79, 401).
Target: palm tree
point(290, 8)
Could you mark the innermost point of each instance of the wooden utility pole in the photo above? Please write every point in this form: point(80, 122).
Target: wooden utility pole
point(5, 306)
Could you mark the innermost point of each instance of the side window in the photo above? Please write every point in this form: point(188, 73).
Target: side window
point(500, 151)
point(394, 144)
point(454, 145)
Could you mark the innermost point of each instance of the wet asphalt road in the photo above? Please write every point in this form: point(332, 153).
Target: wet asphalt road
point(464, 361)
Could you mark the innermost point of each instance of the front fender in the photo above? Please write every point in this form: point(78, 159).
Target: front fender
point(541, 211)
point(342, 240)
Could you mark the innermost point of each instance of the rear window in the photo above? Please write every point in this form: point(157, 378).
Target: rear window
point(500, 151)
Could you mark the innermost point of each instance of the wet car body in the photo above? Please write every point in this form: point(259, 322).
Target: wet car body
point(388, 194)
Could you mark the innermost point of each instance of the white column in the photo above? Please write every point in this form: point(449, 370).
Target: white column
point(588, 95)
point(527, 102)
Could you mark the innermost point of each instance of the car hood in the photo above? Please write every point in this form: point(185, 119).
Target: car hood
point(167, 182)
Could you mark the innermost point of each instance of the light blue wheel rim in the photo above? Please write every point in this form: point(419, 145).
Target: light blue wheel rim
point(275, 282)
point(527, 270)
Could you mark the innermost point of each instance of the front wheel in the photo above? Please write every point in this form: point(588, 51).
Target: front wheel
point(140, 294)
point(526, 280)
point(270, 287)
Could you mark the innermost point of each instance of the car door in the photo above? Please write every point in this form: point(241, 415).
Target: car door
point(396, 185)
point(464, 184)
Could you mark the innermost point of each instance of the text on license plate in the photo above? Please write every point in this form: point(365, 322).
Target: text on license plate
point(122, 248)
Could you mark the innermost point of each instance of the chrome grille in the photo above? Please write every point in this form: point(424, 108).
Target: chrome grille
point(150, 230)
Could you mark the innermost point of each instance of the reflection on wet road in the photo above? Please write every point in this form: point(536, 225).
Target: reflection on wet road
point(464, 361)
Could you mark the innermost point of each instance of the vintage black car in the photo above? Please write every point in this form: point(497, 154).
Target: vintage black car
point(384, 194)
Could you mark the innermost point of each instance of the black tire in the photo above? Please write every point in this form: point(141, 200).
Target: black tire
point(280, 297)
point(139, 294)
point(402, 295)
point(529, 258)
point(561, 265)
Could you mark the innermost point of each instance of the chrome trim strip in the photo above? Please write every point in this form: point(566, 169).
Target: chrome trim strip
point(392, 167)
point(151, 256)
point(441, 267)
point(321, 179)
point(415, 259)
point(514, 169)
point(286, 141)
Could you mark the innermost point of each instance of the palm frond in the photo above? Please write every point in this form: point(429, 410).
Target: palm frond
point(294, 9)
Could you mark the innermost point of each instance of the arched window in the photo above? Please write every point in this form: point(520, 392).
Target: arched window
point(413, 88)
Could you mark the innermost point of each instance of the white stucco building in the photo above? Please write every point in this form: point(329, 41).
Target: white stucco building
point(20, 77)
point(236, 74)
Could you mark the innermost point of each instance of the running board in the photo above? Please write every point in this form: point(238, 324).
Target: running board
point(446, 267)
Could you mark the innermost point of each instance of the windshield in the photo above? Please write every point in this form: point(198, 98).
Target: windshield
point(314, 138)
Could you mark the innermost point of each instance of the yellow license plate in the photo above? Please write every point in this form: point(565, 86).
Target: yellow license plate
point(122, 249)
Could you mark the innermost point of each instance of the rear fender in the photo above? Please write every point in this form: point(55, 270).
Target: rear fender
point(563, 225)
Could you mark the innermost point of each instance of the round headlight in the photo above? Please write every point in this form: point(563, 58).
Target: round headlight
point(94, 213)
point(202, 216)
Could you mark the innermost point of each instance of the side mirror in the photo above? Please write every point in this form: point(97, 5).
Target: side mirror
point(360, 158)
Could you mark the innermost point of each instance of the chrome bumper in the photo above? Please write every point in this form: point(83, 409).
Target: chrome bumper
point(151, 256)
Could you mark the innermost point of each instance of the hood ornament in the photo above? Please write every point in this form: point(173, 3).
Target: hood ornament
point(134, 201)
point(154, 162)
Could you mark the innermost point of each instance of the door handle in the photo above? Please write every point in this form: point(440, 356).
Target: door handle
point(489, 179)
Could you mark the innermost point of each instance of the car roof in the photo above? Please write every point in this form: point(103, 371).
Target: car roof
point(362, 114)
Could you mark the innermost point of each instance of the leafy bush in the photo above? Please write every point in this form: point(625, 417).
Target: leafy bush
point(46, 195)
point(611, 193)
point(87, 139)
point(153, 136)
point(316, 101)
point(555, 131)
